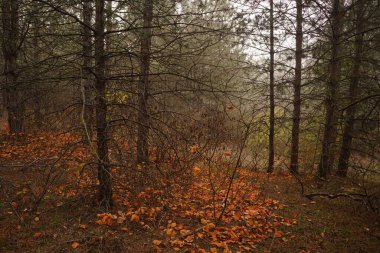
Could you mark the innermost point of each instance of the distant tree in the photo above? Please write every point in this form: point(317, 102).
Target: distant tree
point(297, 90)
point(271, 91)
point(143, 87)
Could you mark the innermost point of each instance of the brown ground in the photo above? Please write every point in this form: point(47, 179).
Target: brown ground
point(323, 225)
point(318, 225)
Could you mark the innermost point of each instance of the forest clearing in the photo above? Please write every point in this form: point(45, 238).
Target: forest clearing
point(219, 126)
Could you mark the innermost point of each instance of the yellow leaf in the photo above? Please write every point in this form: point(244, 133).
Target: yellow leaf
point(75, 245)
point(214, 250)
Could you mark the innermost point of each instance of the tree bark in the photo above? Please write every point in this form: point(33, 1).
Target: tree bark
point(271, 93)
point(297, 92)
point(345, 151)
point(332, 92)
point(143, 87)
point(12, 94)
point(37, 58)
point(104, 175)
point(87, 85)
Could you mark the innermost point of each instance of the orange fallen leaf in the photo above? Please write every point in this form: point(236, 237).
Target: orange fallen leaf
point(120, 220)
point(135, 218)
point(156, 242)
point(189, 238)
point(196, 170)
point(183, 232)
point(83, 226)
point(172, 225)
point(193, 149)
point(75, 245)
point(210, 226)
point(170, 232)
point(38, 234)
point(214, 250)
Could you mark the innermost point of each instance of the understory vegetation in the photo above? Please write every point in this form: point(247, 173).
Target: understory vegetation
point(190, 126)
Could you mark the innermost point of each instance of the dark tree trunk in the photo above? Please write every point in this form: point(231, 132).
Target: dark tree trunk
point(271, 94)
point(12, 94)
point(332, 92)
point(297, 92)
point(143, 87)
point(37, 58)
point(104, 176)
point(87, 85)
point(345, 151)
point(108, 39)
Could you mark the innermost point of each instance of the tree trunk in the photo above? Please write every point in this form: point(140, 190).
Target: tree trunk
point(332, 93)
point(297, 92)
point(143, 88)
point(104, 176)
point(87, 85)
point(12, 94)
point(345, 151)
point(37, 58)
point(271, 94)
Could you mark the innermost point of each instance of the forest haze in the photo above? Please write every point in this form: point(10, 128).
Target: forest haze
point(190, 126)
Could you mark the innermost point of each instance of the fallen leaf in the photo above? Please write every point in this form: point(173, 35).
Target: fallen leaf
point(156, 242)
point(277, 234)
point(135, 218)
point(75, 245)
point(83, 226)
point(38, 234)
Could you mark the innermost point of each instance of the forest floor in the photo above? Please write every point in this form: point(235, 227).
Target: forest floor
point(53, 208)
